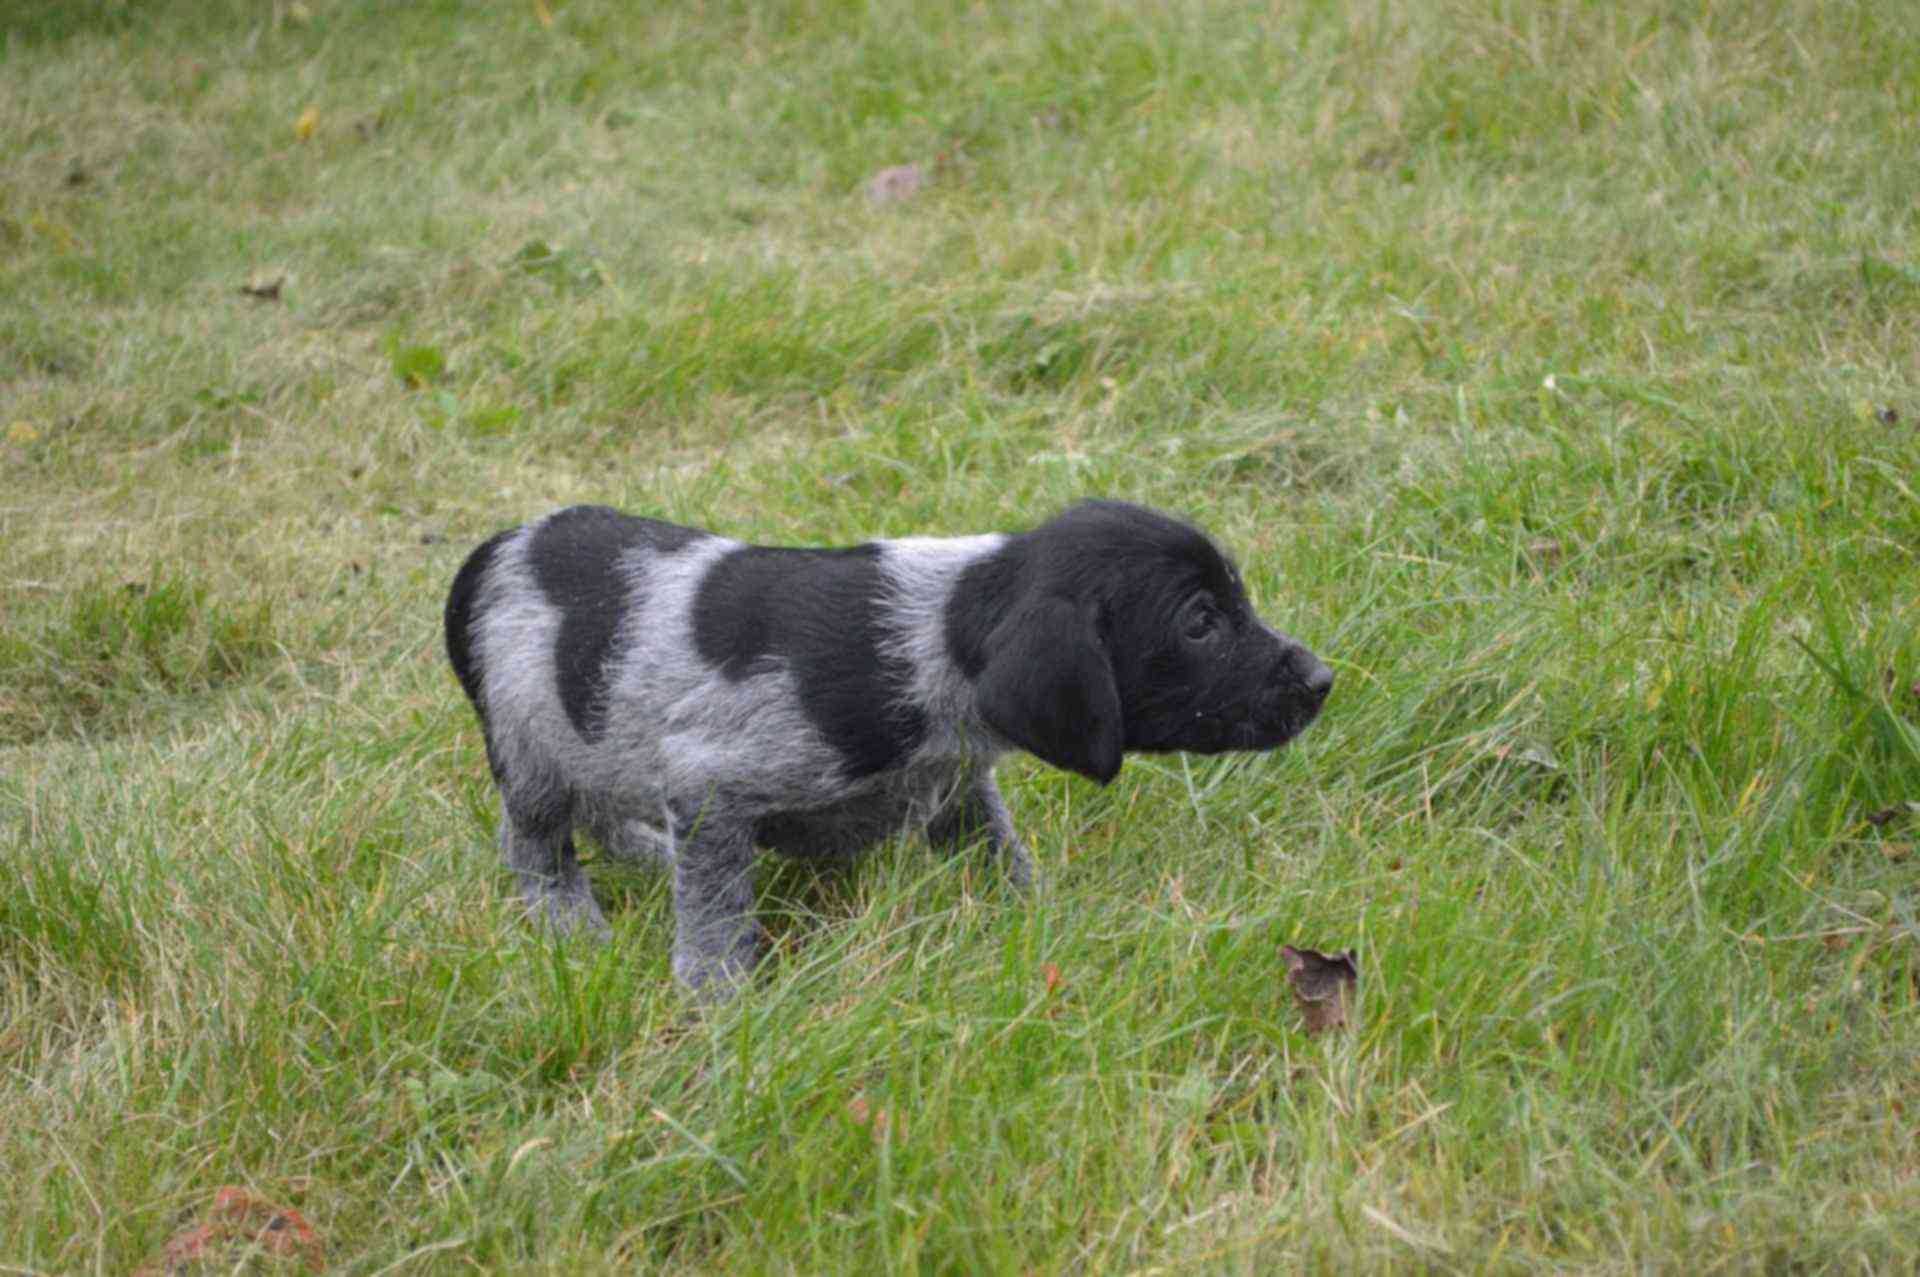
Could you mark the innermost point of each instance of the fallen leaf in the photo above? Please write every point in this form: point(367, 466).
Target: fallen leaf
point(264, 288)
point(304, 126)
point(288, 1233)
point(897, 184)
point(231, 1202)
point(1884, 817)
point(1051, 974)
point(237, 1219)
point(417, 366)
point(563, 267)
point(873, 1118)
point(185, 1247)
point(1377, 159)
point(1322, 984)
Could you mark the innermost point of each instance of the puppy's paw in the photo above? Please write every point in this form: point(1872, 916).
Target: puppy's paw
point(1018, 864)
point(571, 913)
point(715, 974)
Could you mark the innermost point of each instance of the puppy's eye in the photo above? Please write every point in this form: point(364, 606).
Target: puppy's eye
point(1199, 620)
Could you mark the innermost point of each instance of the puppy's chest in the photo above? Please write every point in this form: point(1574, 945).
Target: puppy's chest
point(955, 738)
point(908, 795)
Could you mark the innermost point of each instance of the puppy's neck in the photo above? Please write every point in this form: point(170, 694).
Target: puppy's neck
point(922, 573)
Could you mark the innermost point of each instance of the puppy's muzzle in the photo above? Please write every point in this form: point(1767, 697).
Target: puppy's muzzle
point(1315, 679)
point(1297, 685)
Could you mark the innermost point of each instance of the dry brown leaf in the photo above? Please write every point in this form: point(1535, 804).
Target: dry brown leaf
point(874, 1119)
point(189, 1245)
point(897, 184)
point(238, 1218)
point(289, 1233)
point(1323, 984)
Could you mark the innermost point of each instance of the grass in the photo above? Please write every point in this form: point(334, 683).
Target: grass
point(1549, 366)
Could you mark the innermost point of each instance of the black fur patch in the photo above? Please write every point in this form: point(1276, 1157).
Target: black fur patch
point(818, 611)
point(575, 556)
point(984, 594)
point(459, 618)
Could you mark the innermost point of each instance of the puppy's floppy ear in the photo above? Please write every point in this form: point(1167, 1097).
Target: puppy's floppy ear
point(1048, 687)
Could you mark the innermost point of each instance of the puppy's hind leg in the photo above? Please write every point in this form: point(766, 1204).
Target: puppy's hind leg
point(978, 811)
point(536, 840)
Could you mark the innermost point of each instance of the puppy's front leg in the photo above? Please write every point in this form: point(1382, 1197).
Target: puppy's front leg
point(716, 939)
point(977, 811)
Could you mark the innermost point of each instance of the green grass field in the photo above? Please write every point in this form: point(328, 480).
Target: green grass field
point(1552, 367)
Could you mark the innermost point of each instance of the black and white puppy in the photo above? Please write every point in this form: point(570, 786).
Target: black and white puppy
point(687, 697)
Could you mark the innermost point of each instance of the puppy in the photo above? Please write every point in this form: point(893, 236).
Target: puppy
point(686, 697)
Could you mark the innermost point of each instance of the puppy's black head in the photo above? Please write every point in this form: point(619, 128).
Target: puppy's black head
point(1195, 668)
point(1119, 628)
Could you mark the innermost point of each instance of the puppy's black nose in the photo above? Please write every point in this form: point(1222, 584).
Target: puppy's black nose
point(1315, 677)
